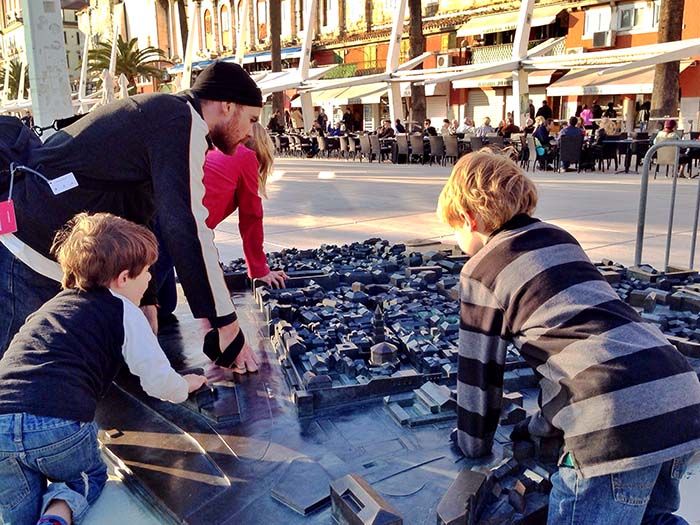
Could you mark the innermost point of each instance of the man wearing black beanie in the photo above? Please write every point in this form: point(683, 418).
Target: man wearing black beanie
point(137, 158)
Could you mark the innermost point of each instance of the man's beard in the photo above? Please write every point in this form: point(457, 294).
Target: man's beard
point(221, 139)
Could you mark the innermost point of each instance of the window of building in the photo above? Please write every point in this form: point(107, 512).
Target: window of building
point(225, 28)
point(405, 50)
point(65, 37)
point(597, 20)
point(324, 12)
point(656, 13)
point(262, 20)
point(300, 14)
point(208, 34)
point(77, 37)
point(370, 57)
point(629, 17)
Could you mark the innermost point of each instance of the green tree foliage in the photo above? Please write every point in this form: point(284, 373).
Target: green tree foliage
point(131, 61)
point(15, 73)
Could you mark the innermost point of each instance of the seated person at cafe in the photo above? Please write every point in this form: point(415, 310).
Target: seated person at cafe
point(572, 130)
point(467, 126)
point(386, 131)
point(529, 127)
point(428, 129)
point(400, 128)
point(485, 128)
point(508, 128)
point(336, 130)
point(445, 129)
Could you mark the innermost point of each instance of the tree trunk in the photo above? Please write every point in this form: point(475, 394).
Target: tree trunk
point(665, 95)
point(341, 17)
point(276, 52)
point(293, 19)
point(368, 15)
point(417, 48)
point(182, 14)
point(252, 7)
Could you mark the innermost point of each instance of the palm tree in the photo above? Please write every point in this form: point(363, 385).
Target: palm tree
point(276, 58)
point(13, 83)
point(417, 48)
point(131, 61)
point(664, 99)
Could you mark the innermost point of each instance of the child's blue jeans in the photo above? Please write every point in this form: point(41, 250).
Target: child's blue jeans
point(36, 450)
point(647, 495)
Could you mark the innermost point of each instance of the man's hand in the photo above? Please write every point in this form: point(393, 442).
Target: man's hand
point(151, 313)
point(275, 279)
point(194, 382)
point(245, 362)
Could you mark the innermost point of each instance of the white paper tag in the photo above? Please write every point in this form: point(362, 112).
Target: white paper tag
point(63, 183)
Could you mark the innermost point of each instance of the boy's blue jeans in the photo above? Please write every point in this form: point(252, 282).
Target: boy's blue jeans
point(34, 450)
point(646, 495)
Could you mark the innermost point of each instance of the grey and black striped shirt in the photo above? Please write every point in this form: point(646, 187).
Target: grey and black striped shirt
point(622, 396)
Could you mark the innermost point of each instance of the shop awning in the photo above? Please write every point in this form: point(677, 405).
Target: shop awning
point(479, 25)
point(597, 81)
point(361, 94)
point(431, 90)
point(535, 78)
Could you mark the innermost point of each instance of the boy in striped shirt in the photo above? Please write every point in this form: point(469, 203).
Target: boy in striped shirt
point(626, 402)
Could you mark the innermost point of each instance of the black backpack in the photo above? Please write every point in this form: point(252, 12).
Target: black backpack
point(17, 142)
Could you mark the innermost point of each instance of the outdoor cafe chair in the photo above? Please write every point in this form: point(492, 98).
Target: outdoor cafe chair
point(437, 150)
point(451, 148)
point(352, 147)
point(365, 148)
point(608, 152)
point(570, 149)
point(402, 146)
point(417, 148)
point(377, 150)
point(477, 143)
point(496, 140)
point(344, 150)
point(322, 146)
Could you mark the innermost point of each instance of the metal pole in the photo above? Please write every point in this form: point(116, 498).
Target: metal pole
point(695, 229)
point(669, 233)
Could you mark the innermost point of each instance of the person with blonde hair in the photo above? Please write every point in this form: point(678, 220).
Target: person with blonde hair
point(624, 403)
point(62, 362)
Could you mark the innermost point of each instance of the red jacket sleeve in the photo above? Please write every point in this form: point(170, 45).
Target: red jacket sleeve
point(231, 183)
point(250, 216)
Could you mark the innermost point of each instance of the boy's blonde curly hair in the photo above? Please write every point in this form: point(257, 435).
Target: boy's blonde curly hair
point(489, 185)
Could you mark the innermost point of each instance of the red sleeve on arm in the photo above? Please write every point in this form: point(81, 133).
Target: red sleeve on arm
point(250, 215)
point(220, 181)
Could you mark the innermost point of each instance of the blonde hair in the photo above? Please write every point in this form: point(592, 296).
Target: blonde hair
point(489, 185)
point(539, 120)
point(608, 125)
point(94, 249)
point(264, 149)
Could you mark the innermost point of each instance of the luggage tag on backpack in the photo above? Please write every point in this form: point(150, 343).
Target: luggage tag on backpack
point(63, 183)
point(8, 221)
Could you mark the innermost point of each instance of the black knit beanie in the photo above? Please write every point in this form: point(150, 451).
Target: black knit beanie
point(227, 82)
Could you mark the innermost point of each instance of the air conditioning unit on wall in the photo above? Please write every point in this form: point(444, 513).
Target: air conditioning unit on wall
point(444, 61)
point(604, 39)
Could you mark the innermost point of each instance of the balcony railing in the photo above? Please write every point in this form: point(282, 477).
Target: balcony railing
point(499, 52)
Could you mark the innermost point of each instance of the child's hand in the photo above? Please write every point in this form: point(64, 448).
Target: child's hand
point(194, 382)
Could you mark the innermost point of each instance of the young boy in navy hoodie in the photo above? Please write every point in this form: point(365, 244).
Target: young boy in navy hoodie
point(62, 362)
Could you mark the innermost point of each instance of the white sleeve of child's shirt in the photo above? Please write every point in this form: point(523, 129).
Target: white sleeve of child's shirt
point(145, 358)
